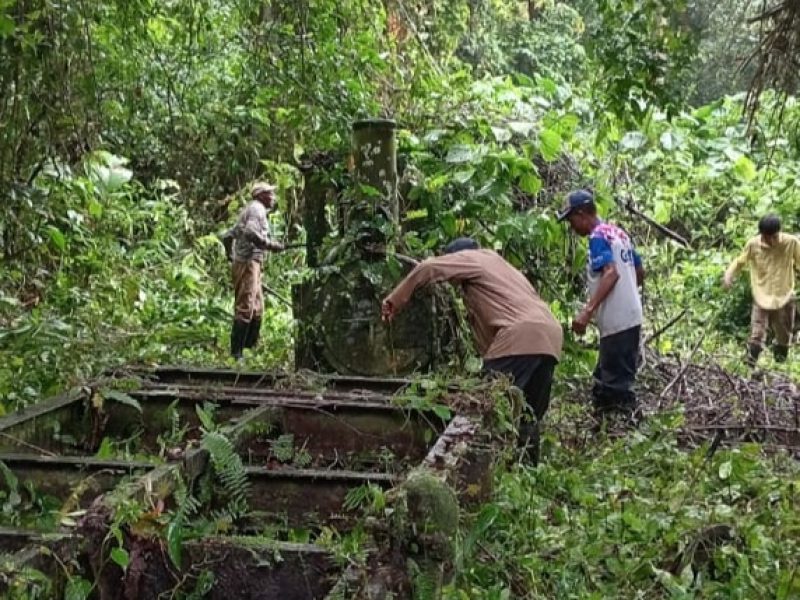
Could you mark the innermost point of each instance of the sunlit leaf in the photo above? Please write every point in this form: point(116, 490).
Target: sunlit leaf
point(58, 239)
point(530, 184)
point(521, 128)
point(464, 175)
point(120, 556)
point(633, 140)
point(549, 144)
point(460, 153)
point(501, 134)
point(745, 169)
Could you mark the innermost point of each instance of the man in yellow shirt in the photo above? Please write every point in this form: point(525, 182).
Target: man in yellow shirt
point(772, 258)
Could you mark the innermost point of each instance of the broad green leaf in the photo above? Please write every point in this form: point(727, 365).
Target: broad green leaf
point(438, 182)
point(106, 449)
point(58, 239)
point(464, 175)
point(111, 179)
point(548, 85)
point(501, 134)
point(120, 556)
point(745, 169)
point(633, 140)
point(521, 128)
point(668, 141)
point(662, 211)
point(530, 184)
point(704, 112)
point(95, 209)
point(77, 589)
point(434, 135)
point(175, 541)
point(7, 26)
point(473, 365)
point(460, 153)
point(449, 224)
point(442, 411)
point(725, 470)
point(549, 144)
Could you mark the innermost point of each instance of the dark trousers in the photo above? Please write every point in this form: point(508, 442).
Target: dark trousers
point(615, 372)
point(533, 374)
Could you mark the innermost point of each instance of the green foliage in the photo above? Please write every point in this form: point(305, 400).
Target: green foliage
point(108, 260)
point(187, 506)
point(505, 42)
point(615, 518)
point(368, 496)
point(642, 50)
point(22, 505)
point(229, 470)
point(284, 450)
point(26, 583)
point(77, 589)
point(133, 278)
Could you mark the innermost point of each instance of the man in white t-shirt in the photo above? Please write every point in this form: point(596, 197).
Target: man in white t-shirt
point(614, 274)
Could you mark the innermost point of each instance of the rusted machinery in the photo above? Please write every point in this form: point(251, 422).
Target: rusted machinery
point(95, 454)
point(338, 308)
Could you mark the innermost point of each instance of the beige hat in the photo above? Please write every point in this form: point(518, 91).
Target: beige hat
point(261, 187)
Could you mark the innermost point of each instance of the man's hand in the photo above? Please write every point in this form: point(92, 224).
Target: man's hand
point(581, 321)
point(387, 311)
point(727, 280)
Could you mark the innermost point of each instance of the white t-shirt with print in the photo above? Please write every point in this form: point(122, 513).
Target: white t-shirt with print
point(622, 308)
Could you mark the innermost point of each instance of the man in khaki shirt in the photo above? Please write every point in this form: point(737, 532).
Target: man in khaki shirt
point(772, 258)
point(250, 239)
point(515, 332)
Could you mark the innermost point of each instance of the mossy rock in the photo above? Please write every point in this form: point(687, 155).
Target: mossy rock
point(432, 504)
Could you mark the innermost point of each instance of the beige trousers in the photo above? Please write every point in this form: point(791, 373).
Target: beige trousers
point(249, 302)
point(780, 320)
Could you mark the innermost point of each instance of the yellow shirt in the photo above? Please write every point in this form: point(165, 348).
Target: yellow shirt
point(771, 269)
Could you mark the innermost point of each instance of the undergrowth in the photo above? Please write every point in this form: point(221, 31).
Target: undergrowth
point(638, 517)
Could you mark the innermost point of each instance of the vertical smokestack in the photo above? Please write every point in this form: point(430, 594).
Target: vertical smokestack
point(375, 156)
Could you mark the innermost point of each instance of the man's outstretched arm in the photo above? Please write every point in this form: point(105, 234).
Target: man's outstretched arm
point(460, 266)
point(734, 268)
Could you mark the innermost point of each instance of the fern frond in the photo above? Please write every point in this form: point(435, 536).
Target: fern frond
point(230, 472)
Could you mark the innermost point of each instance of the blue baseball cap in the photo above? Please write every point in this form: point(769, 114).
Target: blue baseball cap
point(462, 243)
point(575, 200)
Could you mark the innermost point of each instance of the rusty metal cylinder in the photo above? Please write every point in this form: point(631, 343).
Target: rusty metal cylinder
point(375, 158)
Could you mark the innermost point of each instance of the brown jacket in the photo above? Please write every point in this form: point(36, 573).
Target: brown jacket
point(507, 316)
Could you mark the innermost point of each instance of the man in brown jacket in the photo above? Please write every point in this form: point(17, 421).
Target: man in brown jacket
point(514, 330)
point(251, 238)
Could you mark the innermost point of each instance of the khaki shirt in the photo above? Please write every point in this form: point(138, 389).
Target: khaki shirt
point(771, 269)
point(506, 314)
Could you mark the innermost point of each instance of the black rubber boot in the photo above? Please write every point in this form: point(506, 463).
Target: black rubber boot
point(238, 334)
point(528, 442)
point(614, 410)
point(753, 352)
point(253, 332)
point(781, 353)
